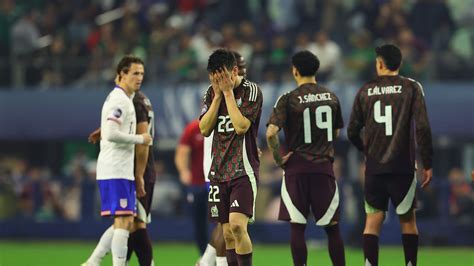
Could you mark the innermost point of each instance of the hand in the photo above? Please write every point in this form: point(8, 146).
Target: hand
point(147, 139)
point(186, 177)
point(140, 187)
point(215, 85)
point(284, 159)
point(224, 79)
point(94, 137)
point(427, 175)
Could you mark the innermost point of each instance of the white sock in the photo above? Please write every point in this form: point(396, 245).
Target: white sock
point(119, 246)
point(209, 256)
point(102, 248)
point(221, 261)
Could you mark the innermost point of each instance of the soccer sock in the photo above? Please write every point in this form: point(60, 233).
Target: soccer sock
point(231, 257)
point(371, 249)
point(209, 256)
point(221, 261)
point(119, 246)
point(130, 246)
point(143, 247)
point(102, 247)
point(335, 245)
point(245, 259)
point(299, 251)
point(410, 247)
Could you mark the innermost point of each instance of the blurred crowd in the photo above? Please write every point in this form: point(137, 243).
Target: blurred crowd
point(34, 193)
point(56, 43)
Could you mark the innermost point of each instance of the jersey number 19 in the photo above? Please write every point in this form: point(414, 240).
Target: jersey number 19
point(320, 122)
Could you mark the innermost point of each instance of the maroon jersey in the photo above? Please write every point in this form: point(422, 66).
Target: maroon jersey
point(310, 116)
point(193, 139)
point(232, 155)
point(144, 113)
point(391, 109)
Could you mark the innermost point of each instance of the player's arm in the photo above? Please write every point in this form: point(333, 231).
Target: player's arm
point(211, 105)
point(356, 124)
point(182, 157)
point(276, 122)
point(423, 133)
point(94, 136)
point(111, 130)
point(339, 122)
point(141, 159)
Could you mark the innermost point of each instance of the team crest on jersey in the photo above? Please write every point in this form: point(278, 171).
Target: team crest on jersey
point(239, 102)
point(117, 113)
point(214, 211)
point(123, 203)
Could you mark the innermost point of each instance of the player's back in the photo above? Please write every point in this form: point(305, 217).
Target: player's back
point(314, 115)
point(116, 160)
point(386, 106)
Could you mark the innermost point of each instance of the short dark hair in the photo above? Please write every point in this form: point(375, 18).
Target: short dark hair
point(306, 63)
point(391, 55)
point(221, 58)
point(126, 62)
point(241, 63)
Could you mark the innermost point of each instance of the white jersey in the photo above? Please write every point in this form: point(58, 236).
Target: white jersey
point(116, 160)
point(207, 156)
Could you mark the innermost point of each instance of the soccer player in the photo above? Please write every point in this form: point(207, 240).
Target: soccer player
point(310, 116)
point(115, 165)
point(215, 251)
point(189, 162)
point(390, 110)
point(231, 111)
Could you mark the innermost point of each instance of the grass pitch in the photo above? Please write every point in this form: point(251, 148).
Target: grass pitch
point(59, 253)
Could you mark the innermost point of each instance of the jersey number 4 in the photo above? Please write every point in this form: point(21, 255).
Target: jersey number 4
point(320, 122)
point(384, 119)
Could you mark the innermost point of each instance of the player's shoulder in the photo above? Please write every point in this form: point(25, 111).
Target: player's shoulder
point(282, 98)
point(414, 83)
point(326, 89)
point(117, 96)
point(252, 89)
point(141, 98)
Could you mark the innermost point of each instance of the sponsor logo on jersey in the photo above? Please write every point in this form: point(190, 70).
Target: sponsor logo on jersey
point(117, 113)
point(214, 211)
point(235, 204)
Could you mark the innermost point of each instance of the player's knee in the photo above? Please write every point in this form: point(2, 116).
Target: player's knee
point(238, 230)
point(228, 236)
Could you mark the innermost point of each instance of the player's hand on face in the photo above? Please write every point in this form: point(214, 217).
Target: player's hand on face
point(225, 80)
point(427, 176)
point(284, 159)
point(146, 139)
point(94, 137)
point(140, 187)
point(215, 84)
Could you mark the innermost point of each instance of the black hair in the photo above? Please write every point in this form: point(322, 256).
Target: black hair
point(306, 63)
point(391, 55)
point(221, 58)
point(126, 62)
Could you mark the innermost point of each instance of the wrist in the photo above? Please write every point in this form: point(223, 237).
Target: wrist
point(229, 93)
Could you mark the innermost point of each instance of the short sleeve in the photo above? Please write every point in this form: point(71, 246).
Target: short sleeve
point(252, 103)
point(206, 101)
point(279, 113)
point(186, 138)
point(141, 112)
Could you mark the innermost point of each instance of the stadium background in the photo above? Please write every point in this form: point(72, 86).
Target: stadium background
point(57, 63)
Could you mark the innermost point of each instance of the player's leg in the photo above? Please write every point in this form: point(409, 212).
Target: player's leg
point(294, 208)
point(376, 203)
point(122, 225)
point(217, 240)
point(102, 248)
point(242, 208)
point(324, 196)
point(140, 241)
point(229, 239)
point(403, 194)
point(199, 213)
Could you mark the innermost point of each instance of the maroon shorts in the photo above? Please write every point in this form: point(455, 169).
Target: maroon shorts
point(237, 195)
point(302, 191)
point(144, 204)
point(400, 189)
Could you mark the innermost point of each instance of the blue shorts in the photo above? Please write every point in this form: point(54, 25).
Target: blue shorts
point(118, 197)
